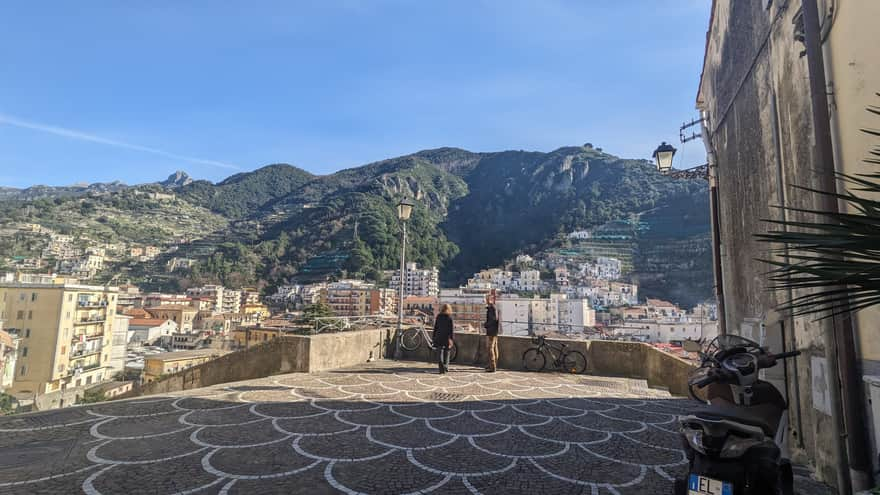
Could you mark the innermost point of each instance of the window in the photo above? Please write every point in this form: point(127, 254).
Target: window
point(60, 368)
point(89, 380)
point(24, 351)
point(24, 370)
point(27, 333)
point(67, 316)
point(79, 382)
point(69, 297)
point(33, 296)
point(30, 315)
point(63, 350)
point(19, 315)
point(21, 296)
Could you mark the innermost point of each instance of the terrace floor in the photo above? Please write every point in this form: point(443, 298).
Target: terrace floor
point(383, 428)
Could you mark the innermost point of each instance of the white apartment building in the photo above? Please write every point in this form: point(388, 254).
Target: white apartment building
point(667, 330)
point(231, 301)
point(556, 313)
point(211, 292)
point(529, 281)
point(580, 234)
point(423, 283)
point(118, 344)
point(605, 268)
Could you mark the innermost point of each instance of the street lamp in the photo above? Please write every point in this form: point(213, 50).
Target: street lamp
point(404, 210)
point(663, 157)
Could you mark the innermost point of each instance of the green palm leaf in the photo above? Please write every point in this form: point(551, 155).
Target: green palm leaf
point(833, 261)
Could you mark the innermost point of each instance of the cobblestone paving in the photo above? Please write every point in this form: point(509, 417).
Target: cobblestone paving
point(380, 429)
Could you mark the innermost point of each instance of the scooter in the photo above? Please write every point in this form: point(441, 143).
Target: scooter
point(737, 445)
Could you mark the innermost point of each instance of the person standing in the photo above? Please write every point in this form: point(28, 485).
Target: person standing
point(492, 326)
point(443, 336)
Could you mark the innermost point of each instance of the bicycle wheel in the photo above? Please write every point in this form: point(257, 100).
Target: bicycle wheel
point(411, 339)
point(453, 352)
point(574, 362)
point(534, 360)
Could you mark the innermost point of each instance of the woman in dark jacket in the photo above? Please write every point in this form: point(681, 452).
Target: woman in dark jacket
point(443, 336)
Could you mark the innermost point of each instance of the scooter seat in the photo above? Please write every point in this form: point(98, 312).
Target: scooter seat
point(764, 416)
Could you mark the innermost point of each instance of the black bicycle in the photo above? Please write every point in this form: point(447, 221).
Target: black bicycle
point(535, 359)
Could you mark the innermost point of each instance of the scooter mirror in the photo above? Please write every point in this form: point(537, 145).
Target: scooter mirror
point(691, 346)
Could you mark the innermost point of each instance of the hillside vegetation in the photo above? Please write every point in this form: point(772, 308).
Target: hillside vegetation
point(473, 210)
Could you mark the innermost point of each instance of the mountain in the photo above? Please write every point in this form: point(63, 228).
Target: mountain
point(473, 210)
point(41, 191)
point(177, 179)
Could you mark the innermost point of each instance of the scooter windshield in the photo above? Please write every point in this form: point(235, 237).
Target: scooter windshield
point(729, 341)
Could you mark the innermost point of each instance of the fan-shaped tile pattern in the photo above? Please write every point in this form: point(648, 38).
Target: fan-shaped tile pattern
point(385, 429)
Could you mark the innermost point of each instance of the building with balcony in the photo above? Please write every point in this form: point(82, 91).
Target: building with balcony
point(358, 298)
point(231, 301)
point(557, 313)
point(423, 283)
point(211, 292)
point(65, 331)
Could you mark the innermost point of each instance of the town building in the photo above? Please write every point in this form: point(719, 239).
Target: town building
point(556, 313)
point(145, 331)
point(129, 297)
point(65, 332)
point(422, 283)
point(420, 305)
point(118, 343)
point(182, 315)
point(111, 390)
point(358, 298)
point(468, 307)
point(231, 301)
point(8, 356)
point(158, 365)
point(158, 299)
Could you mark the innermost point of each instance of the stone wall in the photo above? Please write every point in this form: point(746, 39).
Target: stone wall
point(285, 355)
point(604, 358)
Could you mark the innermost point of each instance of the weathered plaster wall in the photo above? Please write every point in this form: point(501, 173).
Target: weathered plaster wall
point(755, 89)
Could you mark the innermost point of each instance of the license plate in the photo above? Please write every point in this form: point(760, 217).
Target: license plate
point(701, 485)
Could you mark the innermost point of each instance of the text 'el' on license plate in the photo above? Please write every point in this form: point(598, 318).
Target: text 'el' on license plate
point(701, 485)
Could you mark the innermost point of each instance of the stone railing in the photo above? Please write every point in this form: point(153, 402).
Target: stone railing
point(311, 353)
point(604, 357)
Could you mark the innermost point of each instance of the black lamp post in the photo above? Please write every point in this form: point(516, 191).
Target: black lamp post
point(404, 210)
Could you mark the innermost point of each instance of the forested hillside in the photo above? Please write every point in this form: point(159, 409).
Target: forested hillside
point(473, 210)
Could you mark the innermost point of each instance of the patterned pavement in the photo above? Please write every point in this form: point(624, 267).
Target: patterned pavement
point(387, 428)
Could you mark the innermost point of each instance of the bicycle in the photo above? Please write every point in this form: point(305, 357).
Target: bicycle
point(412, 338)
point(534, 359)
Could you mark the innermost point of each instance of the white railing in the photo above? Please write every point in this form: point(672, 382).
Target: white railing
point(349, 323)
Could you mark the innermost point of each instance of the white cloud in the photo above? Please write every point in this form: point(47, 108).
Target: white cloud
point(82, 136)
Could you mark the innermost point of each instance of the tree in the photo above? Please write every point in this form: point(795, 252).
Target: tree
point(91, 396)
point(313, 311)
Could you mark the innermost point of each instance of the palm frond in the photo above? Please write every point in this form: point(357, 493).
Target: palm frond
point(831, 264)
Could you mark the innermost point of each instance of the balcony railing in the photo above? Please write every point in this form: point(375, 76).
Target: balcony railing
point(78, 337)
point(91, 320)
point(85, 352)
point(73, 369)
point(97, 303)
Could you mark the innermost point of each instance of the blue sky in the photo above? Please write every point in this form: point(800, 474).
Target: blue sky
point(98, 90)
